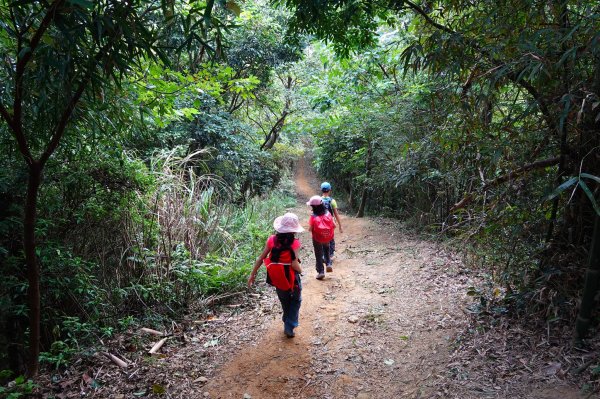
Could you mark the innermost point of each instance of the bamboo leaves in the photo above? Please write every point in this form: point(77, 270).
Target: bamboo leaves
point(574, 182)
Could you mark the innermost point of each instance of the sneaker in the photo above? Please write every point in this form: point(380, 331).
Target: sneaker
point(329, 268)
point(320, 276)
point(289, 333)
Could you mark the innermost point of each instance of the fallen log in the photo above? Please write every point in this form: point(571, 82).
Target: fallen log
point(157, 346)
point(116, 360)
point(152, 332)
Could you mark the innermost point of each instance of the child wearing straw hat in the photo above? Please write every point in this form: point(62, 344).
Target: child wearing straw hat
point(283, 268)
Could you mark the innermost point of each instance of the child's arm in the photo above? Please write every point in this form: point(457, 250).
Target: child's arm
point(337, 218)
point(257, 264)
point(296, 263)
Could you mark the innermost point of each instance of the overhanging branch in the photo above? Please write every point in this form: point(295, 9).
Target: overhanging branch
point(467, 199)
point(23, 59)
point(513, 76)
point(66, 115)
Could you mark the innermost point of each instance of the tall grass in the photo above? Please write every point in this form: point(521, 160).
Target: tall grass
point(182, 238)
point(191, 240)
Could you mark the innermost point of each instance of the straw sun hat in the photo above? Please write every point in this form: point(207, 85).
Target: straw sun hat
point(288, 223)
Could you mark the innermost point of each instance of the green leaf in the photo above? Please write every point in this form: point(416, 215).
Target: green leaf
point(82, 3)
point(590, 195)
point(592, 177)
point(561, 188)
point(24, 51)
point(6, 373)
point(158, 389)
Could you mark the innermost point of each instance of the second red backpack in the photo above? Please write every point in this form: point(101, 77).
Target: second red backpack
point(322, 228)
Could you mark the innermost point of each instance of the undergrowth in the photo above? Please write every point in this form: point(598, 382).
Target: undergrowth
point(183, 237)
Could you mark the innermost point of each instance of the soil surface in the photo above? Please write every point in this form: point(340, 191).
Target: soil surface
point(382, 325)
point(379, 326)
point(391, 321)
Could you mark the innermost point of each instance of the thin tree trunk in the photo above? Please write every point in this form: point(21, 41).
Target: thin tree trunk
point(365, 193)
point(33, 271)
point(274, 132)
point(562, 127)
point(591, 286)
point(363, 202)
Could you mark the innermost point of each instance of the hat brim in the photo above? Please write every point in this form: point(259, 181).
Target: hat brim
point(286, 229)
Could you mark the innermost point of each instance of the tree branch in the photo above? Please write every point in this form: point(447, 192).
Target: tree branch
point(538, 98)
point(385, 73)
point(22, 60)
point(64, 119)
point(430, 21)
point(66, 115)
point(5, 115)
point(514, 77)
point(273, 133)
point(17, 132)
point(508, 176)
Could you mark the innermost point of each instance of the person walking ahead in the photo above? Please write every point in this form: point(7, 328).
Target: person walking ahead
point(322, 228)
point(283, 268)
point(331, 206)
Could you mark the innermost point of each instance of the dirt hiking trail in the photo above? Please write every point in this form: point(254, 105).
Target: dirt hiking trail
point(373, 328)
point(380, 326)
point(391, 321)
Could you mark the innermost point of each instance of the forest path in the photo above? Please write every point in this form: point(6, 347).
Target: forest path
point(389, 322)
point(379, 326)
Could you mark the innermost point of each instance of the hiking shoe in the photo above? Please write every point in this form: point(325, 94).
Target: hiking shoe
point(289, 333)
point(329, 268)
point(320, 276)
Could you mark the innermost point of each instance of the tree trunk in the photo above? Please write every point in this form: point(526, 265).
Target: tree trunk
point(33, 271)
point(365, 193)
point(563, 21)
point(271, 139)
point(591, 286)
point(363, 202)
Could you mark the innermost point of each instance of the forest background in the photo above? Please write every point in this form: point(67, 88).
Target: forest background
point(146, 146)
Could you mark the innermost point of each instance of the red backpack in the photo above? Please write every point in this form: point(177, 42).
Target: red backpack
point(280, 275)
point(322, 228)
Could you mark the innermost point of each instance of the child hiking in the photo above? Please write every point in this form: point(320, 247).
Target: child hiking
point(322, 228)
point(283, 268)
point(331, 206)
